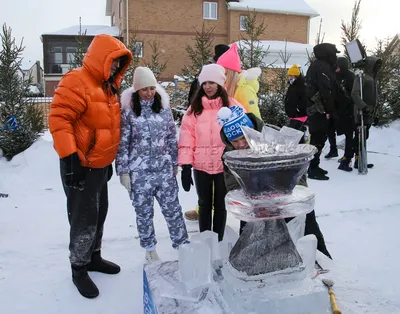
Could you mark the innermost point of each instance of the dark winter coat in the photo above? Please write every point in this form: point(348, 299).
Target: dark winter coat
point(230, 181)
point(295, 99)
point(344, 105)
point(369, 95)
point(321, 84)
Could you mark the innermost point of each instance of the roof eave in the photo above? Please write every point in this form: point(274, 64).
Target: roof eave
point(286, 12)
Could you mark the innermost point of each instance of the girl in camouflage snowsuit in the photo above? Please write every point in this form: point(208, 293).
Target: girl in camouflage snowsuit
point(147, 159)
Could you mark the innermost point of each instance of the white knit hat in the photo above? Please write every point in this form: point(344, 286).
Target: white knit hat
point(212, 73)
point(143, 77)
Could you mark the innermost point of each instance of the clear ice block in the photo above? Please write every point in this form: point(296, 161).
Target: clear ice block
point(195, 265)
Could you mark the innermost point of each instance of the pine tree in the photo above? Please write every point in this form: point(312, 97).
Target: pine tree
point(135, 46)
point(155, 64)
point(388, 81)
point(200, 53)
point(81, 48)
point(272, 105)
point(21, 121)
point(351, 31)
point(251, 49)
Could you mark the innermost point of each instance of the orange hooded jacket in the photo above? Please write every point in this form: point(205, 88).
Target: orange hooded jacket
point(85, 114)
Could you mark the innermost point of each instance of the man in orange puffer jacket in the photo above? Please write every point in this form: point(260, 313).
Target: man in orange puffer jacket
point(84, 121)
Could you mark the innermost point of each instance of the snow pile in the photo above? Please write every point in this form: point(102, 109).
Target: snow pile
point(294, 7)
point(91, 30)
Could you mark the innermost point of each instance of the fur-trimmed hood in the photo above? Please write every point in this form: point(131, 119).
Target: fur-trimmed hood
point(126, 97)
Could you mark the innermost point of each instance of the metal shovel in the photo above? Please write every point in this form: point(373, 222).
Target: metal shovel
point(329, 284)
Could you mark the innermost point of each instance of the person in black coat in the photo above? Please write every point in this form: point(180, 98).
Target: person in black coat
point(344, 106)
point(321, 89)
point(296, 100)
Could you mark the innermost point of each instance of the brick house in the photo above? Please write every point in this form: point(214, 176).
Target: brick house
point(172, 23)
point(59, 48)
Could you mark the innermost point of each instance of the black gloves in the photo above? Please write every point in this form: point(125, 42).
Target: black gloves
point(109, 172)
point(75, 173)
point(186, 177)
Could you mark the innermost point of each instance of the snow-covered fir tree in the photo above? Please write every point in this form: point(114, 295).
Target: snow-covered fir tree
point(21, 121)
point(200, 52)
point(272, 88)
point(136, 47)
point(81, 48)
point(155, 63)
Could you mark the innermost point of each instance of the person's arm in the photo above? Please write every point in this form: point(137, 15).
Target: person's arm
point(187, 140)
point(68, 104)
point(324, 86)
point(122, 160)
point(356, 95)
point(172, 141)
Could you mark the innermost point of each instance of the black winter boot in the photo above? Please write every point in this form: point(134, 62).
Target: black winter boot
point(340, 159)
point(369, 166)
point(314, 173)
point(345, 165)
point(332, 153)
point(83, 282)
point(323, 171)
point(101, 265)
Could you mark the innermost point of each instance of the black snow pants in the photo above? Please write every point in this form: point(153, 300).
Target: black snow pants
point(87, 211)
point(318, 139)
point(204, 187)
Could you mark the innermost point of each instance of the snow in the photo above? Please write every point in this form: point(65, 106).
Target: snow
point(91, 30)
point(359, 216)
point(294, 7)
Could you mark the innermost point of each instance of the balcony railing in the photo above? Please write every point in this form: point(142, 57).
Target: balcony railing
point(58, 68)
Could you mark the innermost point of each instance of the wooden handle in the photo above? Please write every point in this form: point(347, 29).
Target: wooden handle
point(335, 307)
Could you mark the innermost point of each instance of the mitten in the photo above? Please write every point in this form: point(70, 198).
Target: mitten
point(125, 180)
point(186, 177)
point(75, 173)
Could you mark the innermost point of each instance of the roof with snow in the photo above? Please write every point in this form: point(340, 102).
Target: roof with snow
point(91, 30)
point(295, 53)
point(293, 7)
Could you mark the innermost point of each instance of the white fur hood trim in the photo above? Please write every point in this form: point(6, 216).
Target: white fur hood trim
point(252, 74)
point(126, 97)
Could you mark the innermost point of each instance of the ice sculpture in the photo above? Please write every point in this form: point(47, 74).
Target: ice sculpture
point(195, 265)
point(268, 173)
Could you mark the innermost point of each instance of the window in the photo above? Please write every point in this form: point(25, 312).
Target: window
point(139, 49)
point(113, 19)
point(210, 10)
point(243, 22)
point(70, 54)
point(57, 55)
point(120, 8)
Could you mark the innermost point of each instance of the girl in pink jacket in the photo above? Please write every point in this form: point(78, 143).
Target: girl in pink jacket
point(200, 147)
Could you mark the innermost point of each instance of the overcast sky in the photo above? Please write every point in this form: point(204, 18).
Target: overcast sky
point(31, 18)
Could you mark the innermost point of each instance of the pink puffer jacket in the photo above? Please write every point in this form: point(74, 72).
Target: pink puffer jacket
point(200, 143)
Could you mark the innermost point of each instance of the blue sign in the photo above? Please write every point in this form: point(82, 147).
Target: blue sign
point(148, 302)
point(11, 124)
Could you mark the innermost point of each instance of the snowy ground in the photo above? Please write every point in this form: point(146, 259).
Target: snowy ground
point(359, 216)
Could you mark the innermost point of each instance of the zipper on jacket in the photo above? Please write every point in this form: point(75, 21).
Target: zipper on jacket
point(91, 147)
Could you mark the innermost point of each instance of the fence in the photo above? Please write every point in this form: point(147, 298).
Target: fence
point(44, 104)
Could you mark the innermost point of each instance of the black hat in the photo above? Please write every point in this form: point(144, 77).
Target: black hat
point(219, 51)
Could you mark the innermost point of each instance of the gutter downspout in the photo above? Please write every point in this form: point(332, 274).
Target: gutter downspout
point(127, 23)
